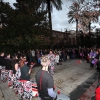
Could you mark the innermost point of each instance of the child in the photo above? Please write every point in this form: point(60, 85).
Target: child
point(57, 58)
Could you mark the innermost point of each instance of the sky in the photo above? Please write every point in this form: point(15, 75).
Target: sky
point(59, 18)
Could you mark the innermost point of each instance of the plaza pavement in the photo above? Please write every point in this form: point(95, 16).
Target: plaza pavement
point(70, 78)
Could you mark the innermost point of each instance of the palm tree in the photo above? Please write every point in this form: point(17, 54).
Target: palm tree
point(81, 11)
point(73, 14)
point(87, 18)
point(49, 6)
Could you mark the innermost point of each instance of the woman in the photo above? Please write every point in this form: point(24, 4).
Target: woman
point(15, 64)
point(25, 70)
point(16, 71)
point(91, 57)
point(24, 86)
point(51, 57)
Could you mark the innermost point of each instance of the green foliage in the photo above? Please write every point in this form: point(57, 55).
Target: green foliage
point(22, 25)
point(49, 4)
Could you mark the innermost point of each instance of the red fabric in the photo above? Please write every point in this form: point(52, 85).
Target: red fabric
point(58, 92)
point(78, 61)
point(88, 58)
point(23, 80)
point(97, 97)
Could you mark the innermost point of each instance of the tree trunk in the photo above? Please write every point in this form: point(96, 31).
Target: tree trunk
point(50, 20)
point(50, 23)
point(89, 27)
point(76, 30)
point(76, 25)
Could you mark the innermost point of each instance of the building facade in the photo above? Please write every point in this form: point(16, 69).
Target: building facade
point(65, 39)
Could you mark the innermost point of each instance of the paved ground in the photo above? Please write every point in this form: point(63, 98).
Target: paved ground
point(7, 93)
point(89, 94)
point(70, 78)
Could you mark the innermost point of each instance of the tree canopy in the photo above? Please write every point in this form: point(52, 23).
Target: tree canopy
point(23, 26)
point(86, 12)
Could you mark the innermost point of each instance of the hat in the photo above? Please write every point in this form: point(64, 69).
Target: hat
point(45, 61)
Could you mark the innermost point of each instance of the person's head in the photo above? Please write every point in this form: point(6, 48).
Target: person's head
point(23, 57)
point(50, 52)
point(16, 57)
point(21, 63)
point(8, 55)
point(91, 50)
point(45, 61)
point(14, 60)
point(2, 54)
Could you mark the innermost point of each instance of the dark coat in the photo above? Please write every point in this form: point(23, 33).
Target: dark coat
point(8, 65)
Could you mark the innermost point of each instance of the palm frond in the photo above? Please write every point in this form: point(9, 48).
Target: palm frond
point(57, 4)
point(71, 20)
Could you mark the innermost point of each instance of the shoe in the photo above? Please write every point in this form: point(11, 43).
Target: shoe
point(52, 73)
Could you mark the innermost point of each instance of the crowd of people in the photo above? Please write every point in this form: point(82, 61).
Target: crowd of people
point(16, 72)
point(16, 69)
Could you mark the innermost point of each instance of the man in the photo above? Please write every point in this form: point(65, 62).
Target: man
point(33, 55)
point(45, 81)
point(8, 65)
point(1, 60)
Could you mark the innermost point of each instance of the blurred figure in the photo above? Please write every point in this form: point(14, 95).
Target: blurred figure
point(57, 58)
point(8, 65)
point(1, 60)
point(38, 55)
point(51, 57)
point(7, 72)
point(33, 55)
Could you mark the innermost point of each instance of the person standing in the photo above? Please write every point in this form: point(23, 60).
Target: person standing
point(51, 57)
point(29, 56)
point(8, 73)
point(16, 71)
point(8, 65)
point(1, 60)
point(57, 58)
point(33, 55)
point(14, 64)
point(91, 55)
point(45, 81)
